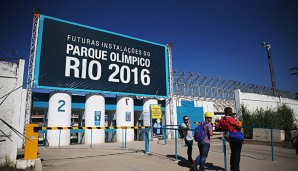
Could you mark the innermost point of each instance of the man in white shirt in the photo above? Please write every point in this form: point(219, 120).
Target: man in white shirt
point(188, 137)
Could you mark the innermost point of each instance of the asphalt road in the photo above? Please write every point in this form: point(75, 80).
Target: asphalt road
point(110, 156)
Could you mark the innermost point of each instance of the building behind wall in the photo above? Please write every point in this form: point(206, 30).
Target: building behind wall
point(11, 107)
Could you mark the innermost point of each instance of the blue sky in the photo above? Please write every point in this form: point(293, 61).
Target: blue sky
point(210, 37)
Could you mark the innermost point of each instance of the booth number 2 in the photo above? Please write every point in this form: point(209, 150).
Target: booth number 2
point(61, 106)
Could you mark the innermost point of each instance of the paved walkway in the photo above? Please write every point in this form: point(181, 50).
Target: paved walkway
point(110, 156)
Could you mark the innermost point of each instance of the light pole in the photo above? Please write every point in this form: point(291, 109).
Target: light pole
point(270, 66)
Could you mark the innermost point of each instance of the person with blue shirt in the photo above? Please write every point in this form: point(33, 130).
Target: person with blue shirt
point(204, 145)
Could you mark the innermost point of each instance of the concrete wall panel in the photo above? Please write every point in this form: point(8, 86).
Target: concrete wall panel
point(11, 80)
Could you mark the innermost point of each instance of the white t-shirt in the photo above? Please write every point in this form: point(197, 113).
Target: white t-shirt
point(187, 133)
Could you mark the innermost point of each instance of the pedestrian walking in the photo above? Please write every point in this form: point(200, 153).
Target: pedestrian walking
point(204, 142)
point(188, 137)
point(229, 125)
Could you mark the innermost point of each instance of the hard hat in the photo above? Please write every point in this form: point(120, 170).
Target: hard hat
point(208, 115)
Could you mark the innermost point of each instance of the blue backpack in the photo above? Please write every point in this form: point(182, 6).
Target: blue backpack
point(236, 136)
point(199, 133)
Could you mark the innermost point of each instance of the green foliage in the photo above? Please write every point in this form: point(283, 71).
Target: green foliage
point(281, 118)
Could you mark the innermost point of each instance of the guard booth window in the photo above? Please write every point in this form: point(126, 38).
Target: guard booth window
point(77, 119)
point(39, 116)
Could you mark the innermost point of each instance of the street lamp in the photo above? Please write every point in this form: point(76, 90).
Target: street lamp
point(270, 66)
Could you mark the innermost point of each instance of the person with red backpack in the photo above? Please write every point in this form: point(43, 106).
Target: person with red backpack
point(230, 130)
point(202, 135)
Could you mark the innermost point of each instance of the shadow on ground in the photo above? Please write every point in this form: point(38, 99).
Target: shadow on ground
point(208, 166)
point(181, 161)
point(184, 163)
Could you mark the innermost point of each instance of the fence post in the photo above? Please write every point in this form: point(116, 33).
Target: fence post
point(125, 138)
point(225, 152)
point(272, 145)
point(122, 144)
point(146, 138)
point(176, 145)
point(165, 135)
point(59, 137)
point(91, 139)
point(44, 136)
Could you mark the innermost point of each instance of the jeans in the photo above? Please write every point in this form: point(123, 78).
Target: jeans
point(235, 155)
point(201, 159)
point(189, 144)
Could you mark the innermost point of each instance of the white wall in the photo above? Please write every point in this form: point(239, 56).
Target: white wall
point(11, 78)
point(208, 107)
point(257, 101)
point(171, 119)
point(22, 117)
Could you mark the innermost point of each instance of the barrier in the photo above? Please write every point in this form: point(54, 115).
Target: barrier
point(84, 127)
point(176, 137)
point(31, 142)
point(170, 127)
point(146, 136)
point(33, 129)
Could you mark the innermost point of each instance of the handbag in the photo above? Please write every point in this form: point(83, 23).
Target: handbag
point(236, 136)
